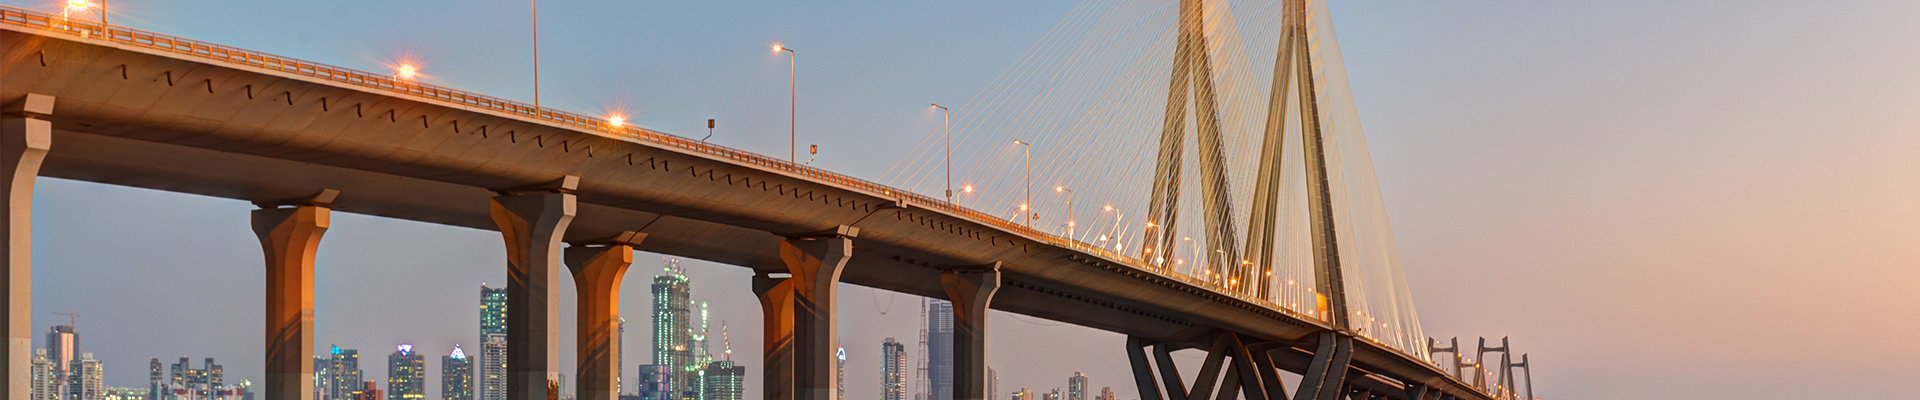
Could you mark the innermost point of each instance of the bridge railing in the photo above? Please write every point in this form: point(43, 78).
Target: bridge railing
point(388, 83)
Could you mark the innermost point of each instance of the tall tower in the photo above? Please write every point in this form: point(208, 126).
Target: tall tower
point(456, 376)
point(840, 374)
point(1077, 386)
point(493, 367)
point(493, 311)
point(63, 348)
point(154, 378)
point(345, 368)
point(89, 379)
point(893, 370)
point(672, 335)
point(940, 345)
point(406, 374)
point(42, 384)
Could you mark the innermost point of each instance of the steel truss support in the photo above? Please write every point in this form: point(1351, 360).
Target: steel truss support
point(1328, 373)
point(1239, 368)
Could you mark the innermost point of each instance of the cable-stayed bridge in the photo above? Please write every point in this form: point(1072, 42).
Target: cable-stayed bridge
point(1244, 221)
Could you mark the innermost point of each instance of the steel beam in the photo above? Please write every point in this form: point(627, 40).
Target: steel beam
point(1143, 380)
point(597, 271)
point(289, 237)
point(1327, 377)
point(971, 290)
point(815, 261)
point(25, 135)
point(532, 225)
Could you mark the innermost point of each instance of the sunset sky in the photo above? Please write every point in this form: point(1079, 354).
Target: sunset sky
point(1654, 199)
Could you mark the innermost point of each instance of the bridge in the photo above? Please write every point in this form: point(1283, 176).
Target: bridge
point(99, 103)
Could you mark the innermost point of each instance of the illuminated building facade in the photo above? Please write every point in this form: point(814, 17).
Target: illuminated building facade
point(493, 368)
point(723, 380)
point(654, 383)
point(343, 369)
point(893, 370)
point(406, 374)
point(1077, 386)
point(456, 376)
point(672, 333)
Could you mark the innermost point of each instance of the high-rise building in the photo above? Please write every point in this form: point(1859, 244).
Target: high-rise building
point(1052, 394)
point(89, 379)
point(493, 368)
point(322, 379)
point(1106, 393)
point(940, 345)
point(155, 379)
point(840, 374)
point(893, 370)
point(1023, 394)
point(672, 333)
point(493, 326)
point(1077, 386)
point(42, 383)
point(993, 383)
point(619, 369)
point(456, 376)
point(406, 374)
point(723, 380)
point(188, 383)
point(344, 369)
point(654, 382)
point(115, 393)
point(63, 348)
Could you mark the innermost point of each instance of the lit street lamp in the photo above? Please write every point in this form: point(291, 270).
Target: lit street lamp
point(1028, 192)
point(1069, 192)
point(948, 114)
point(793, 105)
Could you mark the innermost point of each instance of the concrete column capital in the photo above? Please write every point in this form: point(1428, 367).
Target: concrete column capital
point(532, 224)
point(290, 238)
point(25, 137)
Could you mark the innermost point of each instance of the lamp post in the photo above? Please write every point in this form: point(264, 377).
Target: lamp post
point(535, 6)
point(1027, 204)
point(948, 124)
point(793, 104)
point(1069, 192)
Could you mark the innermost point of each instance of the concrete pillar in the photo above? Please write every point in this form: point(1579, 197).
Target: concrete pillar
point(25, 136)
point(776, 305)
point(971, 291)
point(532, 225)
point(597, 271)
point(289, 237)
point(814, 261)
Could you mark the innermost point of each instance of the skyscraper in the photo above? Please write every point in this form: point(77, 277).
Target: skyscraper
point(42, 384)
point(619, 368)
point(89, 379)
point(672, 335)
point(322, 379)
point(1106, 393)
point(345, 370)
point(1052, 395)
point(654, 382)
point(940, 345)
point(63, 348)
point(723, 380)
point(1023, 394)
point(493, 311)
point(154, 380)
point(840, 374)
point(456, 376)
point(406, 374)
point(493, 367)
point(893, 370)
point(1077, 386)
point(993, 383)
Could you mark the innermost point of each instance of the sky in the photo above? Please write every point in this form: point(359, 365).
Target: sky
point(1654, 199)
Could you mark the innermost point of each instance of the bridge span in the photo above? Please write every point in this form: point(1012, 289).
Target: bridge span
point(300, 139)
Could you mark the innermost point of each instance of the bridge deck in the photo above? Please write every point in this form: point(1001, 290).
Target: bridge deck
point(147, 110)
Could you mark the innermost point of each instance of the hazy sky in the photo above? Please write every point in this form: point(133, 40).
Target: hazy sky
point(1655, 199)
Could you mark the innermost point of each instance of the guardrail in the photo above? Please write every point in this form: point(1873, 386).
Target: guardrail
point(586, 123)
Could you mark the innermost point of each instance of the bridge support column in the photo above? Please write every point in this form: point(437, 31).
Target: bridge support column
point(776, 306)
point(971, 290)
point(814, 261)
point(532, 225)
point(1327, 376)
point(289, 237)
point(1143, 380)
point(597, 270)
point(25, 136)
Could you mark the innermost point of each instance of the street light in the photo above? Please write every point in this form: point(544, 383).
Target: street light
point(793, 105)
point(948, 115)
point(1028, 192)
point(1069, 192)
point(535, 6)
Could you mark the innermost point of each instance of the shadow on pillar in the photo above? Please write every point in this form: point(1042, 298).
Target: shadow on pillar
point(532, 223)
point(799, 311)
point(290, 237)
point(971, 290)
point(598, 267)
